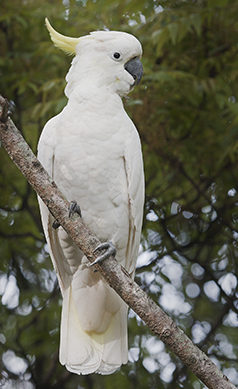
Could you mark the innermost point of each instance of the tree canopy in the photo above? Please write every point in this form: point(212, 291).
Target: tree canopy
point(186, 112)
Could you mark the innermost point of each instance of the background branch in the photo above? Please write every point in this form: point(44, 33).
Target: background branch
point(117, 277)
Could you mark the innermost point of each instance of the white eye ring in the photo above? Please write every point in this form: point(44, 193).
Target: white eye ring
point(117, 56)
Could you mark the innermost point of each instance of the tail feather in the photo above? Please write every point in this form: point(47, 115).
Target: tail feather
point(87, 352)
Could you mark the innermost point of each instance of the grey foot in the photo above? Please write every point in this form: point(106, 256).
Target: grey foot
point(110, 251)
point(74, 207)
point(55, 224)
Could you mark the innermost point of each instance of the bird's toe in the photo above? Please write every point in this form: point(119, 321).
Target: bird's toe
point(110, 250)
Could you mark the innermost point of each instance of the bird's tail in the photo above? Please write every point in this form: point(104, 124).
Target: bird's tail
point(85, 352)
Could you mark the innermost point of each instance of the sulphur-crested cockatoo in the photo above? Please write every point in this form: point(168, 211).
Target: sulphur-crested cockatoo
point(93, 153)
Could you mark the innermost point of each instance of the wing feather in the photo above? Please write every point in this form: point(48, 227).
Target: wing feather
point(135, 181)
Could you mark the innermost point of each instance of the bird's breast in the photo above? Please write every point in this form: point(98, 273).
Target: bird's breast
point(89, 168)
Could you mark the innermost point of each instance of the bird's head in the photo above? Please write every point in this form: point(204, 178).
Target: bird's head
point(105, 59)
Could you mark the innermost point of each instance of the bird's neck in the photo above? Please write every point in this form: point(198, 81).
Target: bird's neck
point(87, 92)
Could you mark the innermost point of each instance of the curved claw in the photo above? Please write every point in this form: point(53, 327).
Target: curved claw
point(110, 251)
point(55, 224)
point(74, 207)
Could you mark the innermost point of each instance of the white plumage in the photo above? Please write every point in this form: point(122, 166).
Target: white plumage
point(92, 151)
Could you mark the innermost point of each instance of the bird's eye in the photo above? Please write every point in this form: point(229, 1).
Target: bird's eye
point(116, 55)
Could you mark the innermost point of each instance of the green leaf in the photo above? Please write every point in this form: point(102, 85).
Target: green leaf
point(173, 29)
point(196, 22)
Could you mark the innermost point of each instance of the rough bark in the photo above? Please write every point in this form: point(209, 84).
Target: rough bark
point(117, 277)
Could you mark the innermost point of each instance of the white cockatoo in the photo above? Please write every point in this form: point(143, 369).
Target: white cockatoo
point(92, 151)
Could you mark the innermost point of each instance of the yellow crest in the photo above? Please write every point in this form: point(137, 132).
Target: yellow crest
point(65, 43)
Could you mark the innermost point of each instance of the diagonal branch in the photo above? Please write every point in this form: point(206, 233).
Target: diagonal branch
point(117, 277)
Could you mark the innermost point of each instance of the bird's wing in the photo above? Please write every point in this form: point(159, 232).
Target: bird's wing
point(135, 181)
point(63, 268)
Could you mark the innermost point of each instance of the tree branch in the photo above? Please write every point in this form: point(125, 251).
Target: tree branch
point(117, 277)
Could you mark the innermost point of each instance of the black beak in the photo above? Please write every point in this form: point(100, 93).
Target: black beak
point(135, 68)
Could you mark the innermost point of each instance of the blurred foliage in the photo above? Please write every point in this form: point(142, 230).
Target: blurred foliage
point(186, 111)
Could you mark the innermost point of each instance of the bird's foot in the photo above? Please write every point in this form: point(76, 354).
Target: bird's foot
point(110, 251)
point(55, 224)
point(74, 208)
